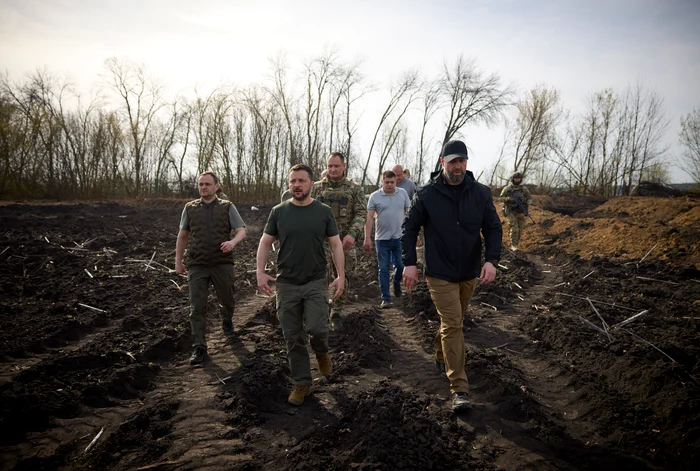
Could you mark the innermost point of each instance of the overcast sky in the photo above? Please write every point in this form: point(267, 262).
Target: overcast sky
point(578, 47)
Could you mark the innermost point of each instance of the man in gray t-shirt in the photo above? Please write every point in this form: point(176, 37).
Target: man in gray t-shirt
point(404, 182)
point(390, 204)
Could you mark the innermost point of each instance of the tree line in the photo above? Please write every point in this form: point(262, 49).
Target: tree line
point(132, 140)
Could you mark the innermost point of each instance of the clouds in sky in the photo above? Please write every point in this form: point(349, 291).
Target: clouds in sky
point(579, 47)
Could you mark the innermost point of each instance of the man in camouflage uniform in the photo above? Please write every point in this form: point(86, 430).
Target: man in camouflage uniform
point(221, 195)
point(205, 230)
point(347, 201)
point(515, 215)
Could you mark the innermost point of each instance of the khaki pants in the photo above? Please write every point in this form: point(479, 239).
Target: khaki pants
point(452, 301)
point(517, 225)
point(303, 310)
point(199, 277)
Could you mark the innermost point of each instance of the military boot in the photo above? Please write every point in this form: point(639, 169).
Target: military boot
point(460, 402)
point(227, 327)
point(325, 366)
point(298, 394)
point(197, 356)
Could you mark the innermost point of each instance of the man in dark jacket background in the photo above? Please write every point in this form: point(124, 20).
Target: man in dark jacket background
point(454, 210)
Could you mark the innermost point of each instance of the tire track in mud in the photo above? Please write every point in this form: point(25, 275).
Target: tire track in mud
point(529, 407)
point(10, 369)
point(200, 435)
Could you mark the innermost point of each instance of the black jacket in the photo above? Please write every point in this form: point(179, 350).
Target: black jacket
point(453, 218)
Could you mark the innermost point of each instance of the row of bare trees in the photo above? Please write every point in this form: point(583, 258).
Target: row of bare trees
point(614, 144)
point(133, 140)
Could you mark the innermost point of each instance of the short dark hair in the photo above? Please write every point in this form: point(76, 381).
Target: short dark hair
point(340, 155)
point(306, 168)
point(209, 172)
point(388, 174)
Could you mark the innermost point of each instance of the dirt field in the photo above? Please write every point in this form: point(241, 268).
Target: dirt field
point(95, 337)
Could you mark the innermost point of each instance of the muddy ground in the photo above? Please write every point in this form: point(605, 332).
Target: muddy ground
point(94, 338)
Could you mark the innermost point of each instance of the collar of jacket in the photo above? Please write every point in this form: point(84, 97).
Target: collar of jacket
point(437, 180)
point(201, 202)
point(334, 183)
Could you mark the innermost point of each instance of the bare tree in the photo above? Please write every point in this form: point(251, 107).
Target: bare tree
point(286, 102)
point(142, 98)
point(321, 73)
point(539, 114)
point(431, 104)
point(646, 124)
point(402, 95)
point(689, 138)
point(471, 96)
point(349, 77)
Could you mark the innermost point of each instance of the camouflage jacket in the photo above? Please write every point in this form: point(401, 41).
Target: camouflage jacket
point(507, 195)
point(346, 200)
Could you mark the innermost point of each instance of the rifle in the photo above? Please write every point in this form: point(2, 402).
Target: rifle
point(522, 206)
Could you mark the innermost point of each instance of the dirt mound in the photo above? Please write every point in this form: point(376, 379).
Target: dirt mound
point(620, 228)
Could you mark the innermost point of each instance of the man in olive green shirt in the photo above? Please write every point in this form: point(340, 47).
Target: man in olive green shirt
point(302, 226)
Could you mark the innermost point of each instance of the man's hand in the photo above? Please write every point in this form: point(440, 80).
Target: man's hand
point(180, 268)
point(488, 273)
point(227, 246)
point(410, 276)
point(348, 242)
point(368, 244)
point(339, 285)
point(264, 281)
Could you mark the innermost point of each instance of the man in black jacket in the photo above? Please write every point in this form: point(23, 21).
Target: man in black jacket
point(454, 210)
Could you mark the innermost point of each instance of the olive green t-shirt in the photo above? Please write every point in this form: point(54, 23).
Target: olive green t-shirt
point(302, 231)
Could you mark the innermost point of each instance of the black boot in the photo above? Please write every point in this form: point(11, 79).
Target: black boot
point(397, 290)
point(197, 356)
point(227, 327)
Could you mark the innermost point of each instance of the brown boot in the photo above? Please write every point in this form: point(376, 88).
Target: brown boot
point(325, 366)
point(296, 397)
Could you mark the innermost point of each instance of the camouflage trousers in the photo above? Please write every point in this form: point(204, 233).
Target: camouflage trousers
point(331, 274)
point(517, 225)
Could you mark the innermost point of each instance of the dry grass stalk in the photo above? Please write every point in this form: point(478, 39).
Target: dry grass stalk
point(90, 307)
point(596, 301)
point(94, 440)
point(644, 257)
point(630, 319)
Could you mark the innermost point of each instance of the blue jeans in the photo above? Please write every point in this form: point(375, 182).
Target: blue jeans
point(388, 251)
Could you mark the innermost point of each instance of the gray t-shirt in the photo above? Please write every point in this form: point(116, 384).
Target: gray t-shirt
point(233, 217)
point(391, 210)
point(408, 185)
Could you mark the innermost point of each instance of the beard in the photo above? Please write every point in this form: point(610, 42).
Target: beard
point(455, 178)
point(302, 197)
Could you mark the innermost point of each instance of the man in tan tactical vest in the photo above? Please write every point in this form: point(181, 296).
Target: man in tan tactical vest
point(347, 201)
point(512, 210)
point(205, 230)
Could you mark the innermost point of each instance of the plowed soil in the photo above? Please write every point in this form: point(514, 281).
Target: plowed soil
point(95, 338)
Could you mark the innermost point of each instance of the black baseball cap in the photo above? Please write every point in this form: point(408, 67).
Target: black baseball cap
point(454, 150)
